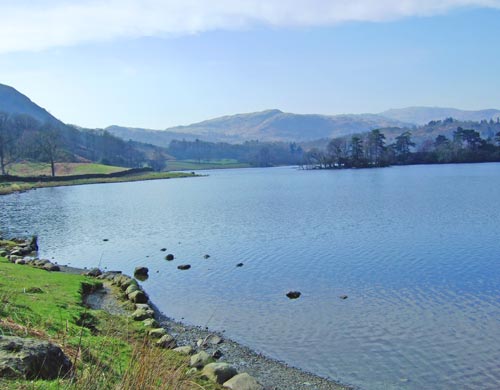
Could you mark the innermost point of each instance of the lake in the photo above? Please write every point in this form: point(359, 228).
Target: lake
point(416, 249)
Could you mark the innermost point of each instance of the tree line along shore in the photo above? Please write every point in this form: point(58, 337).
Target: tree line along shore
point(371, 150)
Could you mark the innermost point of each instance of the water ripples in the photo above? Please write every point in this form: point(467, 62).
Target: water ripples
point(414, 248)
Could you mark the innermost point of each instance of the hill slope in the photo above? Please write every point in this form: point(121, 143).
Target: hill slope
point(269, 125)
point(28, 126)
point(14, 102)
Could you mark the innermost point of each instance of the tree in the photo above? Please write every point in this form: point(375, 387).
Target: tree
point(403, 145)
point(356, 151)
point(375, 143)
point(337, 152)
point(9, 134)
point(49, 142)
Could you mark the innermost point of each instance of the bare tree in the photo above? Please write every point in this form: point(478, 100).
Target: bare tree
point(7, 143)
point(49, 143)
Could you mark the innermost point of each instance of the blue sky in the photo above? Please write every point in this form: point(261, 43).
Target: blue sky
point(91, 68)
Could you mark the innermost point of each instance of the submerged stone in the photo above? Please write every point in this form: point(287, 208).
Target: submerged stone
point(293, 294)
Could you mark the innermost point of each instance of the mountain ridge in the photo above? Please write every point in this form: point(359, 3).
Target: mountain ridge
point(268, 125)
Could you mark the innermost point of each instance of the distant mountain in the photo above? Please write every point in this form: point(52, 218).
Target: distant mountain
point(423, 115)
point(14, 102)
point(269, 125)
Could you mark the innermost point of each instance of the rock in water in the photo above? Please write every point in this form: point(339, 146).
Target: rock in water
point(184, 267)
point(141, 271)
point(239, 265)
point(206, 256)
point(343, 297)
point(293, 294)
point(242, 381)
point(33, 244)
point(219, 372)
point(169, 257)
point(28, 358)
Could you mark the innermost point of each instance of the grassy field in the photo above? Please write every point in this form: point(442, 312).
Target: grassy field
point(62, 169)
point(108, 352)
point(186, 165)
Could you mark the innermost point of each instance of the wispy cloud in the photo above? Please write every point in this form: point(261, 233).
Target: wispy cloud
point(42, 24)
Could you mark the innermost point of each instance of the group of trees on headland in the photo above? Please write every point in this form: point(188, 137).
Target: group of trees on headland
point(371, 150)
point(22, 137)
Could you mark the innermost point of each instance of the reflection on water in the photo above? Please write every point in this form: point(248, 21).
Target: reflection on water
point(415, 249)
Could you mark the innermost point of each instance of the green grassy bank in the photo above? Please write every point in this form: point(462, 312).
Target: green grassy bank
point(107, 351)
point(185, 165)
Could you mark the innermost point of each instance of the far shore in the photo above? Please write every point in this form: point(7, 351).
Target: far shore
point(22, 186)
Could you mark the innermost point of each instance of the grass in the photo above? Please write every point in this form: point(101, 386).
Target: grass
point(8, 187)
point(109, 352)
point(62, 169)
point(185, 165)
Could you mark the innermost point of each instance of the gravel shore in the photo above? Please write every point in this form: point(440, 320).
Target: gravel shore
point(272, 374)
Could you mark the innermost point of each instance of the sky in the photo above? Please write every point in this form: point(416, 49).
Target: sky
point(162, 63)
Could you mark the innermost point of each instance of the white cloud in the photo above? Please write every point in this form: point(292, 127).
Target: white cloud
point(42, 24)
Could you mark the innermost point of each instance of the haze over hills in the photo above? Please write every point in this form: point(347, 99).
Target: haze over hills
point(423, 115)
point(275, 125)
point(270, 125)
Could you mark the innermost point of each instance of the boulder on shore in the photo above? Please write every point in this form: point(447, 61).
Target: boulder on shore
point(138, 297)
point(51, 267)
point(242, 381)
point(94, 272)
point(157, 333)
point(27, 358)
point(166, 341)
point(185, 350)
point(150, 323)
point(142, 314)
point(219, 372)
point(200, 360)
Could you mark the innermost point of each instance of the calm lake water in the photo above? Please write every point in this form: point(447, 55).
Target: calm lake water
point(416, 249)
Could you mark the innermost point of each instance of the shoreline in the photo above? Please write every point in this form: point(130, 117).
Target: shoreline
point(271, 373)
point(7, 188)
